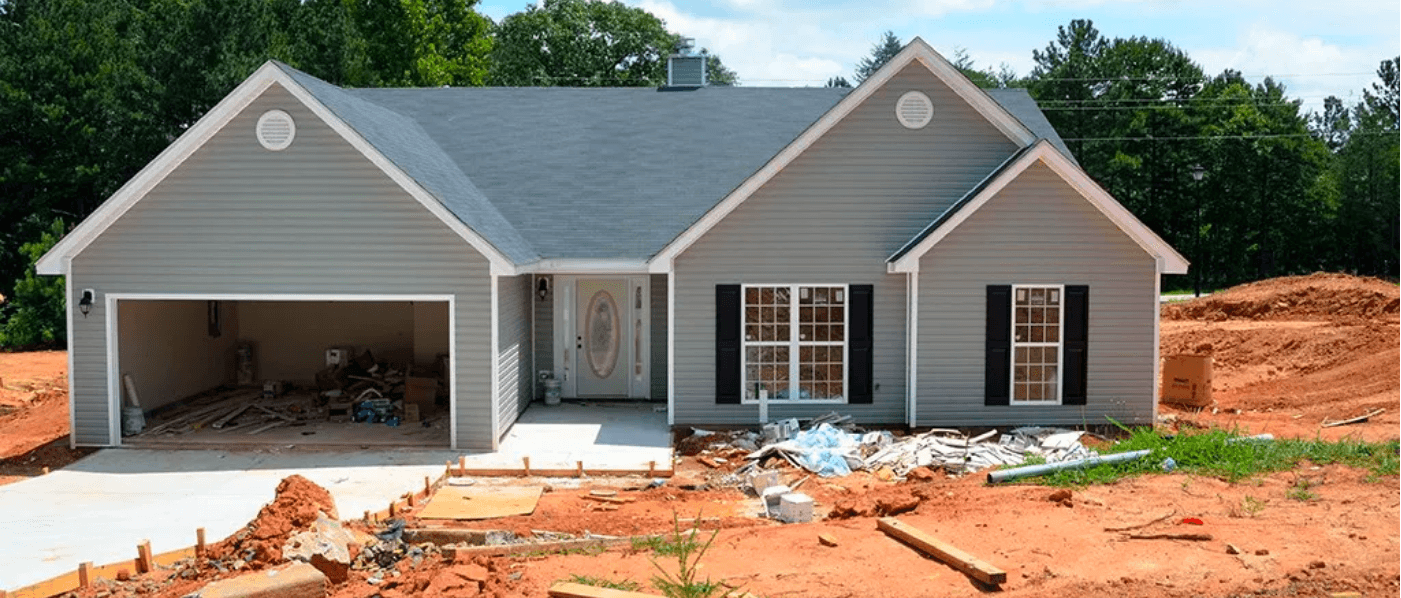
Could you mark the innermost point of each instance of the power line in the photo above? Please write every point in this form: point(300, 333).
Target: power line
point(1210, 137)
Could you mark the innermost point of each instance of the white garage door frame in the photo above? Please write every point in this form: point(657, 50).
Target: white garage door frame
point(114, 380)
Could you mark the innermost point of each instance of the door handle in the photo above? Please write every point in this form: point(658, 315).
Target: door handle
point(579, 342)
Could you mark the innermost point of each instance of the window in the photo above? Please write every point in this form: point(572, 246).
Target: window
point(795, 336)
point(1036, 344)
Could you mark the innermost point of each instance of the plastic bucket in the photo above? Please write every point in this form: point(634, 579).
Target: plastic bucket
point(133, 421)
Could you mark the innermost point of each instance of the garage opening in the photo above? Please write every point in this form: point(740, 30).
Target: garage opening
point(207, 372)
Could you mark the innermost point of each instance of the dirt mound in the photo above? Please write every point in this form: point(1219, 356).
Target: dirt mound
point(1320, 296)
point(260, 543)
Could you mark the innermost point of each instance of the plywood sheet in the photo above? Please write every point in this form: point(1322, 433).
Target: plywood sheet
point(453, 502)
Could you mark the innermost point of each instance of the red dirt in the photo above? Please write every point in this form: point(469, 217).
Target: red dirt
point(294, 509)
point(34, 415)
point(1293, 352)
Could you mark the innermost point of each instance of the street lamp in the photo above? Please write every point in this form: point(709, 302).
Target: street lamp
point(1197, 173)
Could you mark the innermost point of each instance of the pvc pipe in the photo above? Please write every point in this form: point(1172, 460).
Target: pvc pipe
point(1005, 475)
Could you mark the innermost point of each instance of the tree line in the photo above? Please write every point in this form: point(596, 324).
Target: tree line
point(92, 90)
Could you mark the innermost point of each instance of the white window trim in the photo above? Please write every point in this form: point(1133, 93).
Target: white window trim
point(794, 380)
point(1060, 348)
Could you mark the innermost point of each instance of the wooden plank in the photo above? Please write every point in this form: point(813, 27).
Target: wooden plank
point(1193, 537)
point(565, 473)
point(540, 548)
point(967, 563)
point(1356, 420)
point(143, 557)
point(565, 589)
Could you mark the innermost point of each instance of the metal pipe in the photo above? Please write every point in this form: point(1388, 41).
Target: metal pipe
point(1005, 475)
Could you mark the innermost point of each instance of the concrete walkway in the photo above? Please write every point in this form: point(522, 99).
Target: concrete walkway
point(101, 507)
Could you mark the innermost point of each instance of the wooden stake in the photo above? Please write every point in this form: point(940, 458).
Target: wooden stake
point(462, 465)
point(427, 487)
point(651, 468)
point(526, 461)
point(448, 471)
point(199, 542)
point(578, 469)
point(85, 574)
point(411, 500)
point(367, 517)
point(393, 508)
point(143, 557)
point(943, 551)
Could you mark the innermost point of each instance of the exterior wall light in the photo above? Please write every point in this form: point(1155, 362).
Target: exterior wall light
point(543, 290)
point(85, 303)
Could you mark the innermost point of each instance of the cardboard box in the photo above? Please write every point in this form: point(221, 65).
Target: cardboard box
point(1187, 380)
point(422, 392)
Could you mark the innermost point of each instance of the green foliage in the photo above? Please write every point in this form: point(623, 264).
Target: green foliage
point(1251, 506)
point(837, 82)
point(626, 585)
point(688, 549)
point(34, 316)
point(1223, 454)
point(881, 53)
point(1300, 490)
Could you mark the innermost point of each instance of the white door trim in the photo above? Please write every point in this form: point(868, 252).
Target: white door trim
point(114, 395)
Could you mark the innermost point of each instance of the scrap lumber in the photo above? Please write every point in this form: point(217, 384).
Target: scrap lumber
point(967, 563)
point(1193, 537)
point(235, 412)
point(1141, 525)
point(565, 589)
point(1356, 420)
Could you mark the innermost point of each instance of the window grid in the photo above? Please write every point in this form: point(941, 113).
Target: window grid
point(1036, 341)
point(786, 321)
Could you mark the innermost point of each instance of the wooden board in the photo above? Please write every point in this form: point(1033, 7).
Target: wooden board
point(943, 551)
point(566, 589)
point(464, 503)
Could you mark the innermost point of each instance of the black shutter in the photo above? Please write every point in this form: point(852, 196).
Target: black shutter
point(727, 343)
point(998, 361)
point(859, 325)
point(1075, 374)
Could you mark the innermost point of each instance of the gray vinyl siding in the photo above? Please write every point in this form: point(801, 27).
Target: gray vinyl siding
point(659, 334)
point(316, 218)
point(833, 216)
point(544, 331)
point(1037, 230)
point(512, 349)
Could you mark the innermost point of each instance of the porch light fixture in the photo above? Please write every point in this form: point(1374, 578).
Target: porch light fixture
point(543, 290)
point(85, 303)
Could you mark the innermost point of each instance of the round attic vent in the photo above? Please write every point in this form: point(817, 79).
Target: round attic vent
point(914, 110)
point(276, 129)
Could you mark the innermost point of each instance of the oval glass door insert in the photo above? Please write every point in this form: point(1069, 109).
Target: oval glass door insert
point(602, 332)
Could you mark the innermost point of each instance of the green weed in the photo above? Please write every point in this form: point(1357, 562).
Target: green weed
point(1251, 506)
point(1224, 454)
point(626, 585)
point(688, 549)
point(1300, 490)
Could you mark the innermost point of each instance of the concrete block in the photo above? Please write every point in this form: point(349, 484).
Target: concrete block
point(760, 480)
point(298, 581)
point(795, 507)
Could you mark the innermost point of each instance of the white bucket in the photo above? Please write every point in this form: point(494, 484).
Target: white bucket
point(552, 392)
point(133, 421)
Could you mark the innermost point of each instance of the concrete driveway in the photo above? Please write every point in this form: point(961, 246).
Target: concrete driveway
point(101, 507)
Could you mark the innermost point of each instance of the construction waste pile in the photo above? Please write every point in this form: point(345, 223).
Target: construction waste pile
point(831, 446)
point(360, 389)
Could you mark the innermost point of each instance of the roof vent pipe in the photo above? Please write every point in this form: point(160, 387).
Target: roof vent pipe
point(686, 68)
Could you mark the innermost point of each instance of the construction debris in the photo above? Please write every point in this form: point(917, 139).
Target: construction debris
point(969, 564)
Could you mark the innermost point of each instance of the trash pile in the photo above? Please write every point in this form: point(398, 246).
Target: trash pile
point(830, 446)
point(369, 391)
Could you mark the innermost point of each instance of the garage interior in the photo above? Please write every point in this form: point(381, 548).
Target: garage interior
point(260, 372)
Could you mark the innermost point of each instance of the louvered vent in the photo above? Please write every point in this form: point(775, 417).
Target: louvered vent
point(276, 129)
point(914, 110)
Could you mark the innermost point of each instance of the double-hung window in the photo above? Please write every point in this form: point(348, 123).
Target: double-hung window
point(795, 342)
point(1036, 344)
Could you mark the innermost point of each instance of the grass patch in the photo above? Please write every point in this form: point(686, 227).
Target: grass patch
point(1226, 455)
point(626, 585)
point(1300, 491)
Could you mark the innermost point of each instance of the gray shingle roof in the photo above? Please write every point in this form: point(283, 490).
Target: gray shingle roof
point(610, 173)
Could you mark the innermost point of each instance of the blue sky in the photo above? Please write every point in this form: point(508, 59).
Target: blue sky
point(1316, 48)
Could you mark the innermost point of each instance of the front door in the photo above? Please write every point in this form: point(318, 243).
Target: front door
point(602, 331)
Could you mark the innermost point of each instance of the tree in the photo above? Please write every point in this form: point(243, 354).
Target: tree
point(1369, 191)
point(716, 73)
point(881, 53)
point(581, 43)
point(36, 315)
point(838, 81)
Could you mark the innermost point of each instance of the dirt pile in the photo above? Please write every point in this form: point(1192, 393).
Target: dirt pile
point(294, 509)
point(1292, 352)
point(1320, 296)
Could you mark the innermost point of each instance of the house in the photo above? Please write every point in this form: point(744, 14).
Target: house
point(912, 251)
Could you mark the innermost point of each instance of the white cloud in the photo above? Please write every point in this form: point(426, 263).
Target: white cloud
point(1310, 67)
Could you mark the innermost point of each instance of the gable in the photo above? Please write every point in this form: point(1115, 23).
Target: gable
point(311, 211)
point(917, 54)
point(212, 124)
point(1068, 180)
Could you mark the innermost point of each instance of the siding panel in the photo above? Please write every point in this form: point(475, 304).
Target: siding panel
point(659, 335)
point(833, 216)
point(1037, 230)
point(316, 218)
point(513, 350)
